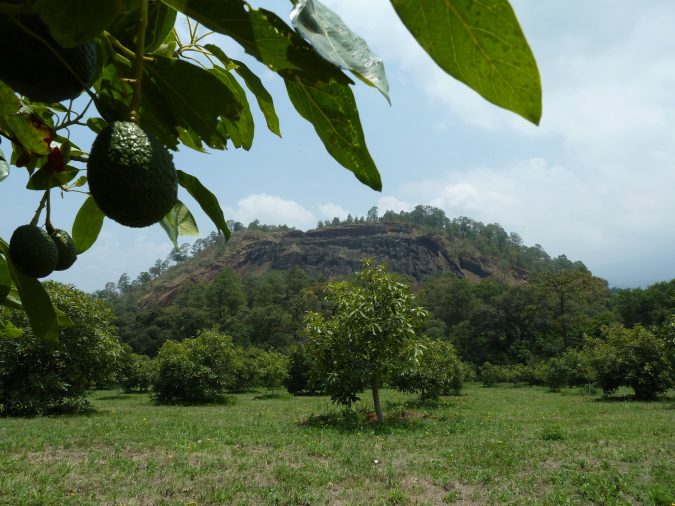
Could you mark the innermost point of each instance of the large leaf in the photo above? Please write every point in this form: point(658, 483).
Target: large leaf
point(35, 301)
point(4, 167)
point(331, 108)
point(26, 128)
point(307, 75)
point(179, 221)
point(481, 44)
point(72, 22)
point(254, 84)
point(87, 225)
point(335, 41)
point(206, 200)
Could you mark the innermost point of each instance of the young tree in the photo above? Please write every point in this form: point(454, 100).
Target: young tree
point(369, 333)
point(146, 83)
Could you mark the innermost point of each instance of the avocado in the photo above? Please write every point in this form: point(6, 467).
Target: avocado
point(36, 66)
point(67, 251)
point(131, 175)
point(33, 252)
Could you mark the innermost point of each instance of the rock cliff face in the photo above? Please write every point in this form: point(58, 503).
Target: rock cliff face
point(337, 251)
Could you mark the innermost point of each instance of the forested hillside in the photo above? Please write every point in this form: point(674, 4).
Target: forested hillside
point(494, 298)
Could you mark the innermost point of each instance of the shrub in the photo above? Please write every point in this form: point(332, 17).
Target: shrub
point(245, 373)
point(136, 372)
point(635, 357)
point(272, 369)
point(37, 378)
point(490, 374)
point(437, 372)
point(571, 369)
point(302, 377)
point(196, 370)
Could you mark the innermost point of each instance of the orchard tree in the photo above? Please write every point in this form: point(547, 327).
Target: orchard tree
point(149, 89)
point(369, 333)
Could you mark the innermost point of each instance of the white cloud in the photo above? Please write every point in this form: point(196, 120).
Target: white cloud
point(271, 210)
point(330, 210)
point(117, 248)
point(389, 203)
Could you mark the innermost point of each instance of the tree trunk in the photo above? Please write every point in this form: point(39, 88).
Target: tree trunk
point(375, 387)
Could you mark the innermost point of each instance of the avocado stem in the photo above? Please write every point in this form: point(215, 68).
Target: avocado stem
point(138, 70)
point(38, 211)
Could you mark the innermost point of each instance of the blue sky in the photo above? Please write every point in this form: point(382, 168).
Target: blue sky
point(595, 181)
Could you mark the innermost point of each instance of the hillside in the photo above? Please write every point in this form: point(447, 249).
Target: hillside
point(410, 250)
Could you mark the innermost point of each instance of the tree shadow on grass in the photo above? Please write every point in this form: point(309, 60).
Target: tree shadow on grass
point(226, 400)
point(664, 399)
point(120, 397)
point(366, 421)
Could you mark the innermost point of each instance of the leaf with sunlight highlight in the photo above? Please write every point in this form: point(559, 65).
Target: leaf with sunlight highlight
point(335, 42)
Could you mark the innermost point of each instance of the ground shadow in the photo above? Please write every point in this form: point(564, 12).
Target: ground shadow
point(665, 399)
point(361, 421)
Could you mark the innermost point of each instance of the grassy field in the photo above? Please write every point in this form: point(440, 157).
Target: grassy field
point(501, 445)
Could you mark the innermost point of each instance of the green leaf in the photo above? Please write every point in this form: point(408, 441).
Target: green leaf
point(5, 278)
point(480, 44)
point(87, 225)
point(331, 108)
point(10, 330)
point(206, 200)
point(72, 22)
point(12, 300)
point(197, 99)
point(27, 128)
point(46, 178)
point(63, 319)
point(179, 221)
point(35, 302)
point(4, 167)
point(335, 42)
point(241, 131)
point(254, 84)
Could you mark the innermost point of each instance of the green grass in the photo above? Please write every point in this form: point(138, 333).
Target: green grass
point(499, 445)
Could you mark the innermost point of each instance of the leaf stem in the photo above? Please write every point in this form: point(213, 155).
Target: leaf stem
point(138, 71)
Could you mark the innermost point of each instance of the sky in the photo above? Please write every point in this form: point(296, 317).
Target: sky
point(595, 181)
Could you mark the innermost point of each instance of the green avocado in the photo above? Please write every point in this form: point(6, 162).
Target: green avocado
point(36, 66)
point(67, 251)
point(131, 175)
point(33, 252)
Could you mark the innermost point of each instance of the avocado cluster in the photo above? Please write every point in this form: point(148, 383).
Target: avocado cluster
point(131, 175)
point(37, 254)
point(36, 66)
